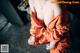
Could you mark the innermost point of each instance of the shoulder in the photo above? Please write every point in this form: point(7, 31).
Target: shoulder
point(31, 4)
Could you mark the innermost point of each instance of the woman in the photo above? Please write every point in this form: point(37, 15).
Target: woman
point(49, 24)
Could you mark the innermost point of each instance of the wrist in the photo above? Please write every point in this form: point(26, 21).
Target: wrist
point(31, 40)
point(52, 44)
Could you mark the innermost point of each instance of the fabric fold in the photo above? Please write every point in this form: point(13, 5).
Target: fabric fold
point(58, 29)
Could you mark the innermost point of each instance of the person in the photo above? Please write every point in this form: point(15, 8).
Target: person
point(49, 24)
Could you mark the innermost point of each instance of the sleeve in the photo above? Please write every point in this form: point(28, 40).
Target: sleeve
point(57, 27)
point(37, 28)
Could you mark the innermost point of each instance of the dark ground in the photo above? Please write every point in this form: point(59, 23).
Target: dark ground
point(18, 43)
point(17, 38)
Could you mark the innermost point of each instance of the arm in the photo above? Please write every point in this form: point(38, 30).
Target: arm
point(31, 40)
point(36, 28)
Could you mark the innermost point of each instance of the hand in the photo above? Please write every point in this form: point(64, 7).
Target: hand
point(31, 40)
point(51, 45)
point(48, 46)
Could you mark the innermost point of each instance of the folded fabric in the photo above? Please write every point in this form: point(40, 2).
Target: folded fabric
point(58, 29)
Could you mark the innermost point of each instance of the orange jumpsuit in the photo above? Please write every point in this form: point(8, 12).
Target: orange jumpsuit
point(58, 29)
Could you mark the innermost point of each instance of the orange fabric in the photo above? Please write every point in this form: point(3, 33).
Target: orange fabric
point(54, 31)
